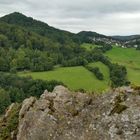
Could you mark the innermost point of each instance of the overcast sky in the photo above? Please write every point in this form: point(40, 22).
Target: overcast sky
point(110, 17)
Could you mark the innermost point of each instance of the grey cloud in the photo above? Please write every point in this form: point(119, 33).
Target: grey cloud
point(104, 16)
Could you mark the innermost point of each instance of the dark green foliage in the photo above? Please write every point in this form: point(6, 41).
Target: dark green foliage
point(118, 75)
point(16, 37)
point(38, 47)
point(96, 71)
point(28, 44)
point(26, 59)
point(76, 61)
point(16, 89)
point(87, 36)
point(41, 28)
point(105, 47)
point(22, 49)
point(4, 100)
point(10, 124)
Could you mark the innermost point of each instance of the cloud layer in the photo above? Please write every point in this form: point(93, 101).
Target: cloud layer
point(104, 16)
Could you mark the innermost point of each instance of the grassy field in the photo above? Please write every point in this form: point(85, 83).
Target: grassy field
point(88, 46)
point(130, 58)
point(104, 70)
point(75, 77)
point(80, 78)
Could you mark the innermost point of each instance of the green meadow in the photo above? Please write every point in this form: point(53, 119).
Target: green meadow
point(80, 78)
point(130, 58)
point(75, 77)
point(88, 46)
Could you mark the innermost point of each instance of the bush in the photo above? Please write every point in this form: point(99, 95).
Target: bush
point(16, 89)
point(118, 75)
point(4, 100)
point(96, 71)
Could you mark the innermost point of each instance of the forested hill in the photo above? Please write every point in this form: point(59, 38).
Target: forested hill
point(20, 47)
point(87, 36)
point(28, 44)
point(16, 37)
point(60, 36)
point(43, 29)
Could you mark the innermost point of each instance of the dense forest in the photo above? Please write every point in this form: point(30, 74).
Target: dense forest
point(41, 28)
point(28, 44)
point(20, 47)
point(16, 89)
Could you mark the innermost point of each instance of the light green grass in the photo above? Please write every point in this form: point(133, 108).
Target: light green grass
point(104, 70)
point(130, 58)
point(88, 46)
point(78, 77)
point(74, 77)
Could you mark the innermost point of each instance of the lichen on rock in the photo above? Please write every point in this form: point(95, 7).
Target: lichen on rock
point(66, 115)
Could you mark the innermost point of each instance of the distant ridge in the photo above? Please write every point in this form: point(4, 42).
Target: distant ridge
point(57, 35)
point(44, 29)
point(39, 27)
point(126, 38)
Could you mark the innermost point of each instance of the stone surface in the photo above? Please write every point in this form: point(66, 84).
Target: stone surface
point(8, 111)
point(65, 115)
point(26, 106)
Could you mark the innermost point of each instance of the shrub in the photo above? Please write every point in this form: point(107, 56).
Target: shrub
point(96, 71)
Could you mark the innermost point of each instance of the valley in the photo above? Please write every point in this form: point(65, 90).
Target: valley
point(130, 58)
point(75, 78)
point(35, 56)
point(69, 70)
point(79, 78)
point(57, 84)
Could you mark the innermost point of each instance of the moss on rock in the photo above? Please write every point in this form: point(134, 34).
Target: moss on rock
point(9, 124)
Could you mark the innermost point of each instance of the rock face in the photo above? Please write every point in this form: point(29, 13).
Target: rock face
point(63, 115)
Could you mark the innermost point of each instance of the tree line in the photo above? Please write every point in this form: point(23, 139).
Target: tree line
point(16, 89)
point(96, 71)
point(40, 48)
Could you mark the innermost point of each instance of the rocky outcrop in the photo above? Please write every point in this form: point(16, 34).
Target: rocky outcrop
point(65, 115)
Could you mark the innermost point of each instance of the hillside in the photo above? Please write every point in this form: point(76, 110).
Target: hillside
point(61, 36)
point(39, 27)
point(16, 37)
point(79, 78)
point(88, 36)
point(69, 70)
point(130, 58)
point(23, 48)
point(18, 31)
point(30, 45)
point(75, 78)
point(63, 114)
point(43, 29)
